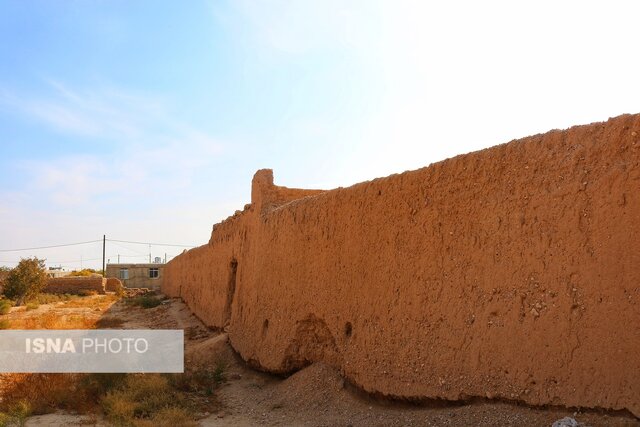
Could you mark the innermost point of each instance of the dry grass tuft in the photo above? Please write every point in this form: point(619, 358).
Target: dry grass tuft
point(119, 410)
point(142, 399)
point(17, 414)
point(203, 381)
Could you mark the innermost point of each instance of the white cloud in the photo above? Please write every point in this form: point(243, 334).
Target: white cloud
point(147, 145)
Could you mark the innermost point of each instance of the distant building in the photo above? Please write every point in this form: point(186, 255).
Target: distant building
point(137, 275)
point(55, 272)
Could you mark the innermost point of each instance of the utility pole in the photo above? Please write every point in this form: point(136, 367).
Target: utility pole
point(118, 258)
point(104, 245)
point(149, 254)
point(165, 257)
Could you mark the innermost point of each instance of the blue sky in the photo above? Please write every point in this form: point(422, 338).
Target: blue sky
point(146, 120)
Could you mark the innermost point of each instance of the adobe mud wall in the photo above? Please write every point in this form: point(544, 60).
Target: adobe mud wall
point(113, 285)
point(512, 273)
point(75, 285)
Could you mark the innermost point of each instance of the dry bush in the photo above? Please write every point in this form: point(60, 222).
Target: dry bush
point(44, 392)
point(5, 306)
point(118, 409)
point(5, 420)
point(201, 380)
point(5, 324)
point(50, 392)
point(150, 392)
point(95, 386)
point(137, 400)
point(18, 413)
point(141, 398)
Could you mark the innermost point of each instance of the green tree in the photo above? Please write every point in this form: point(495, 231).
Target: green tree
point(26, 280)
point(4, 272)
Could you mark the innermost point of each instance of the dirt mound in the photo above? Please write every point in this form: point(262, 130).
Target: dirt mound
point(314, 386)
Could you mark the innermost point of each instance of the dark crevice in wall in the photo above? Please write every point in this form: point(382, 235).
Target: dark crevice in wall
point(231, 290)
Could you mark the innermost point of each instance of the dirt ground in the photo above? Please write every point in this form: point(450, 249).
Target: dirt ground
point(314, 396)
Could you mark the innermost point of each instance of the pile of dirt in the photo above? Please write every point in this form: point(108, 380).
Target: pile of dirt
point(319, 396)
point(315, 386)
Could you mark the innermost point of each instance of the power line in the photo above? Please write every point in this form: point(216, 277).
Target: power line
point(96, 241)
point(50, 247)
point(129, 249)
point(152, 244)
point(74, 261)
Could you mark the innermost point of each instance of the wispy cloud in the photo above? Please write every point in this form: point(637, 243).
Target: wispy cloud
point(99, 112)
point(150, 147)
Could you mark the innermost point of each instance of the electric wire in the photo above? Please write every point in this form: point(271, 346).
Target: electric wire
point(152, 244)
point(50, 247)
